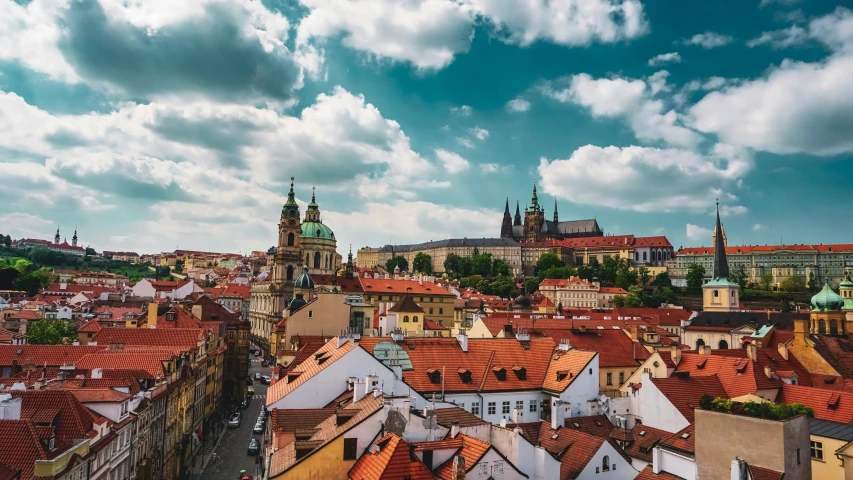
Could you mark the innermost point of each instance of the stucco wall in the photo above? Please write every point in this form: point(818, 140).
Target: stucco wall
point(721, 437)
point(830, 468)
point(657, 411)
point(620, 469)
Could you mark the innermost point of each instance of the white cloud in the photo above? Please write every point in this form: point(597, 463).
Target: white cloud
point(465, 142)
point(494, 168)
point(567, 22)
point(425, 33)
point(708, 40)
point(518, 105)
point(786, 3)
point(697, 233)
point(781, 39)
point(629, 98)
point(453, 162)
point(479, 133)
point(24, 225)
point(758, 227)
point(672, 57)
point(644, 179)
point(462, 111)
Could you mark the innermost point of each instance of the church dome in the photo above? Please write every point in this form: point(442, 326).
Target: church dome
point(522, 302)
point(317, 230)
point(297, 303)
point(304, 281)
point(846, 284)
point(827, 300)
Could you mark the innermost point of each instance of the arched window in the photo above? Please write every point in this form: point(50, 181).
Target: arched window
point(605, 464)
point(644, 256)
point(833, 327)
point(636, 256)
point(821, 326)
point(406, 318)
point(316, 259)
point(415, 319)
point(700, 343)
point(290, 272)
point(716, 293)
point(723, 345)
point(307, 259)
point(290, 239)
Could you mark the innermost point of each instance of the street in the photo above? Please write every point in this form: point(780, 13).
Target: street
point(230, 456)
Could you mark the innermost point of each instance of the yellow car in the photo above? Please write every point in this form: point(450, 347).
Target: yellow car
point(250, 390)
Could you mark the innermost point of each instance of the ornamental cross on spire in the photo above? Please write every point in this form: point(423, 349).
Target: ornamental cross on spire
point(313, 190)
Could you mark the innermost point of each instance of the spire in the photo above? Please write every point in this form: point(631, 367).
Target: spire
point(721, 266)
point(517, 219)
point(290, 207)
point(535, 200)
point(506, 224)
point(313, 192)
point(556, 217)
point(74, 238)
point(56, 238)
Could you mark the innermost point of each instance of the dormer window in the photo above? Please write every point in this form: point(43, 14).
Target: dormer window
point(520, 373)
point(171, 316)
point(464, 375)
point(434, 375)
point(500, 373)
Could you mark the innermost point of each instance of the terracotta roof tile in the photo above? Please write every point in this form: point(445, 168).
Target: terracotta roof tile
point(407, 305)
point(684, 440)
point(615, 348)
point(446, 416)
point(177, 337)
point(573, 448)
point(472, 450)
point(92, 326)
point(98, 395)
point(327, 355)
point(645, 439)
point(565, 367)
point(291, 420)
point(73, 420)
point(40, 355)
point(832, 405)
point(389, 459)
point(684, 392)
point(761, 473)
point(20, 446)
point(649, 474)
point(597, 425)
point(402, 287)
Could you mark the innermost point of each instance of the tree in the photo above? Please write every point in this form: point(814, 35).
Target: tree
point(7, 277)
point(179, 265)
point(397, 261)
point(766, 281)
point(794, 283)
point(8, 241)
point(662, 294)
point(482, 264)
point(23, 265)
point(548, 260)
point(662, 280)
point(164, 272)
point(501, 268)
point(568, 271)
point(422, 263)
point(633, 299)
point(470, 282)
point(812, 282)
point(91, 251)
point(501, 286)
point(531, 285)
point(451, 263)
point(50, 332)
point(32, 281)
point(643, 275)
point(739, 276)
point(695, 275)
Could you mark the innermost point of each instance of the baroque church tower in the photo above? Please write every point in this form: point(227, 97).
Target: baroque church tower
point(288, 255)
point(534, 218)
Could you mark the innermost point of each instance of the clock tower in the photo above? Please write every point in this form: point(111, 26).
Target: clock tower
point(288, 255)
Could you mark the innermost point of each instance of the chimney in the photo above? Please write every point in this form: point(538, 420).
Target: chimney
point(559, 412)
point(564, 345)
point(358, 390)
point(152, 314)
point(97, 373)
point(522, 335)
point(196, 311)
point(462, 338)
point(351, 381)
point(705, 350)
point(801, 329)
point(675, 353)
point(454, 429)
point(752, 352)
point(634, 335)
point(783, 350)
point(739, 470)
point(767, 372)
point(458, 472)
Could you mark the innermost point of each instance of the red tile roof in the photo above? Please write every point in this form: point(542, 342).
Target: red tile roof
point(172, 337)
point(26, 315)
point(768, 248)
point(761, 473)
point(613, 290)
point(406, 305)
point(574, 448)
point(430, 325)
point(597, 425)
point(565, 367)
point(683, 440)
point(684, 392)
point(389, 458)
point(325, 356)
point(645, 438)
point(832, 405)
point(99, 395)
point(402, 287)
point(648, 474)
point(20, 446)
point(73, 421)
point(472, 451)
point(41, 355)
point(615, 348)
point(92, 326)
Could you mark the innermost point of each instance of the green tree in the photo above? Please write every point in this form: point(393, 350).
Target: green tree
point(471, 281)
point(662, 294)
point(32, 281)
point(695, 275)
point(568, 271)
point(451, 264)
point(766, 281)
point(397, 261)
point(50, 332)
point(8, 241)
point(91, 251)
point(662, 280)
point(501, 286)
point(482, 264)
point(23, 265)
point(608, 271)
point(179, 265)
point(501, 268)
point(531, 285)
point(643, 275)
point(812, 282)
point(422, 263)
point(739, 276)
point(794, 283)
point(548, 260)
point(633, 299)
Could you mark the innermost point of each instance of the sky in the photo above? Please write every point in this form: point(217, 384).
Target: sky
point(151, 125)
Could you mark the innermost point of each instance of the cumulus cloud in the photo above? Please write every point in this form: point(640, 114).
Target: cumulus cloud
point(758, 227)
point(672, 57)
point(518, 105)
point(708, 40)
point(465, 142)
point(570, 22)
point(697, 233)
point(227, 50)
point(494, 168)
point(781, 39)
point(462, 111)
point(632, 99)
point(644, 179)
point(453, 162)
point(479, 133)
point(24, 225)
point(786, 3)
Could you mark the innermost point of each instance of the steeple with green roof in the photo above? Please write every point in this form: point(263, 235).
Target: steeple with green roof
point(290, 209)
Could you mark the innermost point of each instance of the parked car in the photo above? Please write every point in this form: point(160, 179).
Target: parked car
point(245, 403)
point(257, 375)
point(254, 447)
point(250, 390)
point(234, 422)
point(259, 427)
point(266, 379)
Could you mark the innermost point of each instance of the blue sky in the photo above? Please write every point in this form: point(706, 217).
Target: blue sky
point(157, 124)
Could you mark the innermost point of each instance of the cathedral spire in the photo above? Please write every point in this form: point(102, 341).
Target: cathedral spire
point(721, 266)
point(517, 220)
point(535, 200)
point(506, 224)
point(556, 217)
point(74, 238)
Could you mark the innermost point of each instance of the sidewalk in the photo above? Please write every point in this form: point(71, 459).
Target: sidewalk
point(207, 453)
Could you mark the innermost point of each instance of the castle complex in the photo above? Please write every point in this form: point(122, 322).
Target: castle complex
point(536, 228)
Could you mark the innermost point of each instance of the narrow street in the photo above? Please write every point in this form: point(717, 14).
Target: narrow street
point(230, 456)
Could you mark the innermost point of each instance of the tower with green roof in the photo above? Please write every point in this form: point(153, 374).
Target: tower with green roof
point(846, 290)
point(826, 312)
point(319, 245)
point(720, 294)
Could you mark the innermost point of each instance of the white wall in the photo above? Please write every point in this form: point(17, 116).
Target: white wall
point(680, 465)
point(143, 288)
point(582, 389)
point(547, 467)
point(515, 448)
point(490, 460)
point(366, 431)
point(657, 411)
point(620, 469)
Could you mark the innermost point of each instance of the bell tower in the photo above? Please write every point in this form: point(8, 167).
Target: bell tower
point(287, 261)
point(534, 219)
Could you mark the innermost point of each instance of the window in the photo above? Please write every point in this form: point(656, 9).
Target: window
point(716, 293)
point(415, 319)
point(798, 456)
point(430, 310)
point(406, 318)
point(610, 379)
point(605, 464)
point(621, 378)
point(441, 311)
point(492, 408)
point(475, 408)
point(350, 448)
point(519, 404)
point(290, 272)
point(498, 467)
point(505, 408)
point(817, 450)
point(290, 239)
point(534, 406)
point(483, 469)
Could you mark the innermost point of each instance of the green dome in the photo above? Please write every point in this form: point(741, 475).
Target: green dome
point(827, 300)
point(846, 283)
point(304, 281)
point(317, 230)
